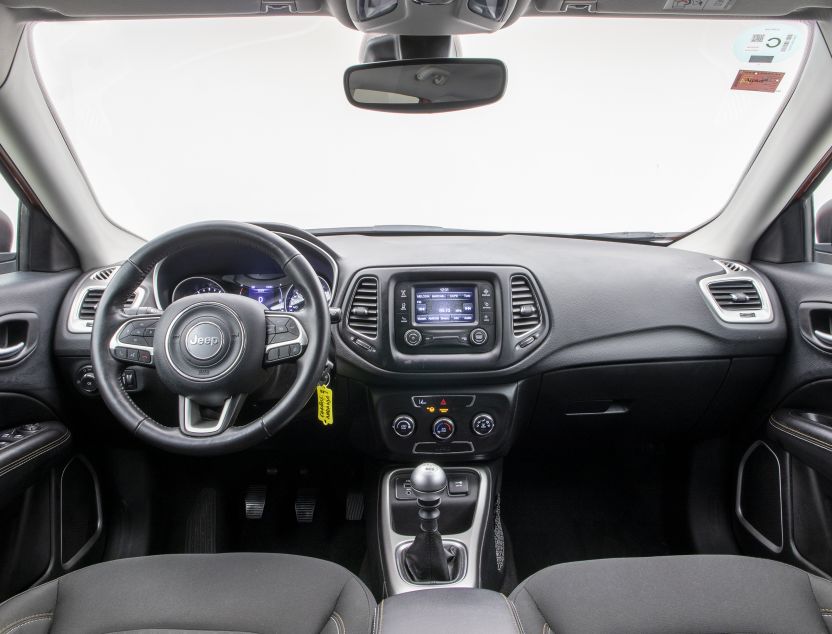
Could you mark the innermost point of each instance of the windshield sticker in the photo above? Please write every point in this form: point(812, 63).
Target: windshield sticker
point(698, 5)
point(767, 44)
point(757, 80)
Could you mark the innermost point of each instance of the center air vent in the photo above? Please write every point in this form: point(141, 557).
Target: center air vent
point(736, 295)
point(525, 309)
point(363, 310)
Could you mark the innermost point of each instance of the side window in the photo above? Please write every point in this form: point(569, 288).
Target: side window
point(9, 206)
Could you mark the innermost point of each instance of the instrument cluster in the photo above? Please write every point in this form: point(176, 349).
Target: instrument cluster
point(277, 293)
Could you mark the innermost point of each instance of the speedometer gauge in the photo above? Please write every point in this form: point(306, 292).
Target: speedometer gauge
point(295, 301)
point(195, 286)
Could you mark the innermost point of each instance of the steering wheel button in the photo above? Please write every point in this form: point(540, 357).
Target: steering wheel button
point(294, 350)
point(292, 327)
point(120, 352)
point(132, 354)
point(144, 356)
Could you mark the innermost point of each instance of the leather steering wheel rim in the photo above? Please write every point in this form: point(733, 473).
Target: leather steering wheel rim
point(110, 317)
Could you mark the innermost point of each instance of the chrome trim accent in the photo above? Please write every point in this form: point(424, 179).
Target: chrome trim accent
point(762, 315)
point(188, 310)
point(99, 524)
point(738, 506)
point(79, 326)
point(115, 343)
point(192, 424)
point(472, 540)
point(727, 264)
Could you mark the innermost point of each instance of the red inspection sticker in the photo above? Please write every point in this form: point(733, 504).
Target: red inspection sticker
point(757, 80)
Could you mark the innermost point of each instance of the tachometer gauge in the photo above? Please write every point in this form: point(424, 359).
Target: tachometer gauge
point(195, 286)
point(294, 300)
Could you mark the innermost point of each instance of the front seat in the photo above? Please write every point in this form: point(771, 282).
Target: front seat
point(175, 594)
point(701, 594)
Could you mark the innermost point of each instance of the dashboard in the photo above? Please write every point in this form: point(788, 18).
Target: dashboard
point(449, 344)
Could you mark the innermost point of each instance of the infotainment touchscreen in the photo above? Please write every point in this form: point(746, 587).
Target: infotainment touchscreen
point(440, 305)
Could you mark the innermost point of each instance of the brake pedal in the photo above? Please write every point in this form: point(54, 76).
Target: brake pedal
point(355, 506)
point(305, 505)
point(255, 501)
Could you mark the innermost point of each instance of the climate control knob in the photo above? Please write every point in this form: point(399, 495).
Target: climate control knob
point(443, 428)
point(478, 336)
point(404, 425)
point(413, 337)
point(483, 424)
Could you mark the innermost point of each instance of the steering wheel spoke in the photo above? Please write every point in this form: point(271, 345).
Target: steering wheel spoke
point(132, 342)
point(286, 338)
point(198, 420)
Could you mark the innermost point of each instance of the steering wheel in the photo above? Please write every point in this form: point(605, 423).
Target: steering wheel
point(211, 351)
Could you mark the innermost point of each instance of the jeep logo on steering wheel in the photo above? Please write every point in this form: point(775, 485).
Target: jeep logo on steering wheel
point(204, 340)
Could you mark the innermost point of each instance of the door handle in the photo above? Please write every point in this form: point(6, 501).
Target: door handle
point(825, 337)
point(11, 351)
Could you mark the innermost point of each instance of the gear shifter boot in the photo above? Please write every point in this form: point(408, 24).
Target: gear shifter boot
point(428, 561)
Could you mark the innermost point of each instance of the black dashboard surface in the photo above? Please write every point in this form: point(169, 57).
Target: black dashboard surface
point(607, 302)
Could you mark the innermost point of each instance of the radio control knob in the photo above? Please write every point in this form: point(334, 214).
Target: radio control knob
point(483, 424)
point(404, 426)
point(413, 337)
point(443, 428)
point(478, 336)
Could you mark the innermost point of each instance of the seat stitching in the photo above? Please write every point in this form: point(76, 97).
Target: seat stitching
point(337, 626)
point(29, 457)
point(25, 621)
point(339, 622)
point(513, 610)
point(812, 440)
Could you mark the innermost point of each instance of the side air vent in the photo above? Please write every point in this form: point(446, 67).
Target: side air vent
point(731, 267)
point(103, 274)
point(86, 312)
point(363, 310)
point(736, 295)
point(737, 300)
point(525, 309)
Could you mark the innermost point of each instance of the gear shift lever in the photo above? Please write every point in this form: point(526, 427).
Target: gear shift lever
point(426, 560)
point(428, 482)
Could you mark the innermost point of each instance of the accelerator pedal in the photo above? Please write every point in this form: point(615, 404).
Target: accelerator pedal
point(355, 506)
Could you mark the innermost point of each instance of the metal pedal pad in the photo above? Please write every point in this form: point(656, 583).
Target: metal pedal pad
point(355, 506)
point(255, 501)
point(305, 505)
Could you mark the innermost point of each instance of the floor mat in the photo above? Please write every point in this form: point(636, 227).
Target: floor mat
point(577, 502)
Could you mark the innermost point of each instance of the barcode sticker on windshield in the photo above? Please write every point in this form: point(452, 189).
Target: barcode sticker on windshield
point(757, 80)
point(698, 5)
point(768, 43)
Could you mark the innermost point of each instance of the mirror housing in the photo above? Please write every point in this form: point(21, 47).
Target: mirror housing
point(425, 85)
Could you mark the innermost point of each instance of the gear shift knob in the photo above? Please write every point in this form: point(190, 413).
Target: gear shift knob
point(428, 482)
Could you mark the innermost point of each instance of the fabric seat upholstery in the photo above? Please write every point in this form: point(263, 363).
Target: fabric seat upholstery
point(699, 594)
point(240, 592)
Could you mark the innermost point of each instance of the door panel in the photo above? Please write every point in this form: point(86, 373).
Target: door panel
point(797, 426)
point(34, 439)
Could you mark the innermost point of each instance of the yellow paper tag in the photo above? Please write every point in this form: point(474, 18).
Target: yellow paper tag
point(325, 405)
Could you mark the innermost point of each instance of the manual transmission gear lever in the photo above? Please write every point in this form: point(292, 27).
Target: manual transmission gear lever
point(427, 560)
point(428, 482)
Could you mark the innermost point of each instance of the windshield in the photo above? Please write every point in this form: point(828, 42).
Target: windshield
point(607, 125)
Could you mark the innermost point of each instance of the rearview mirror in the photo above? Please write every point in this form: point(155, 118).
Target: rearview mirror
point(425, 85)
